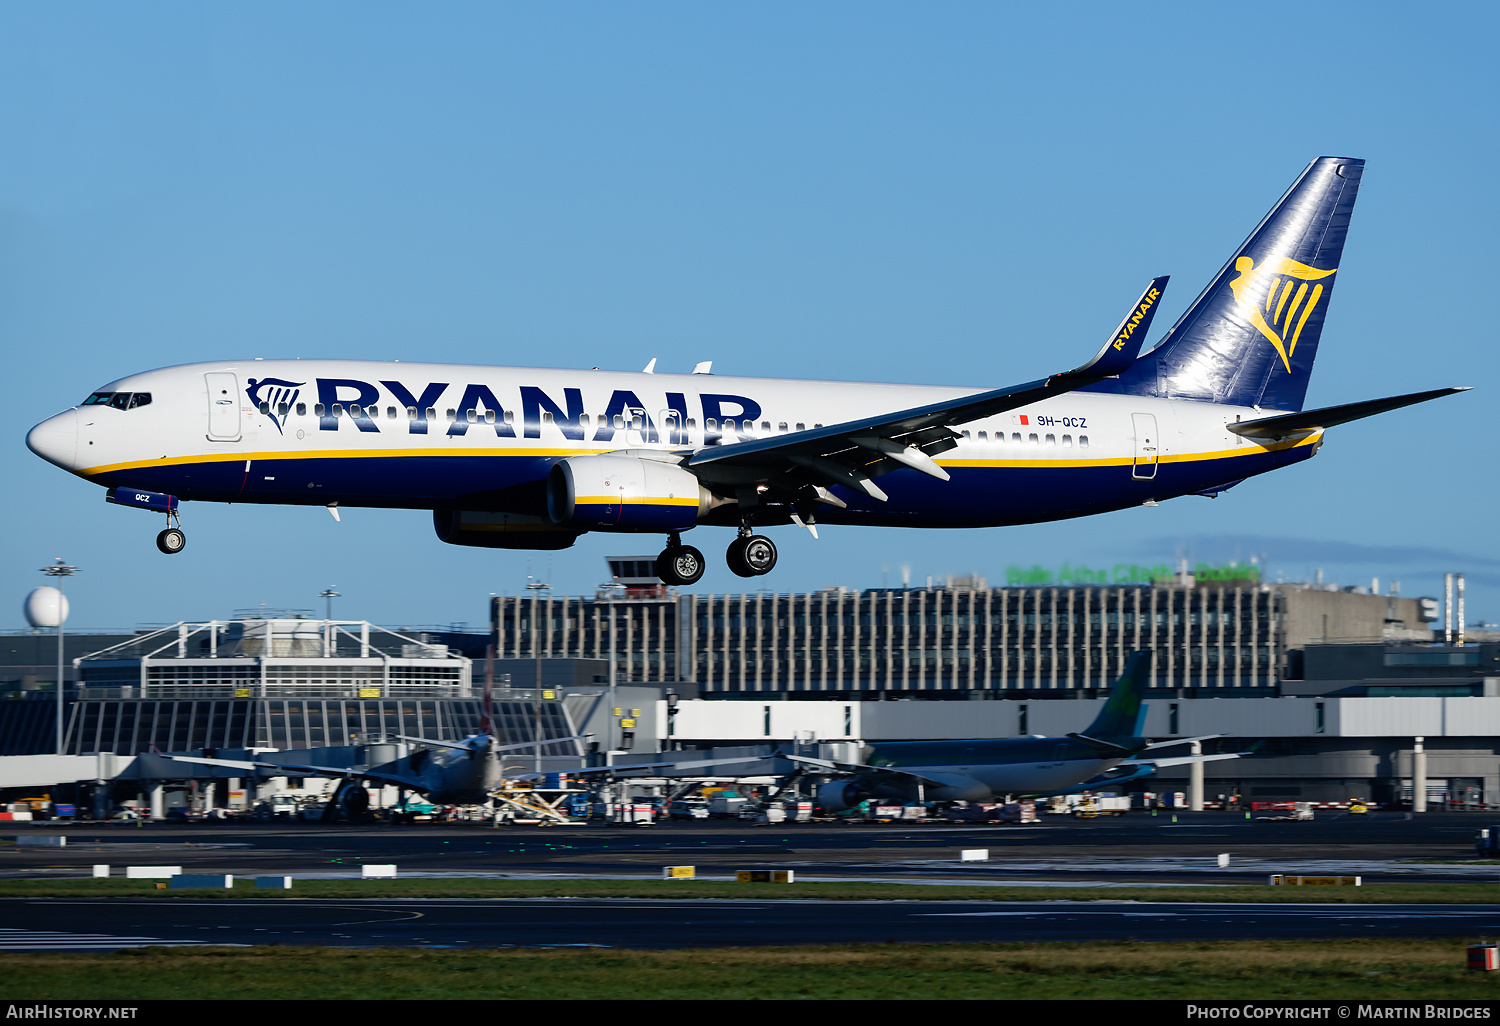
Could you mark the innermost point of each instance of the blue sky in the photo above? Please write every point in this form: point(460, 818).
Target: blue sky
point(964, 194)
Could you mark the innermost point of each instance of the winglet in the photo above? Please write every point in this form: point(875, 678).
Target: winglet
point(1125, 344)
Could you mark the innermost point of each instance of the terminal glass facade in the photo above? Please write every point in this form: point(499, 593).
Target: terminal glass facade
point(925, 642)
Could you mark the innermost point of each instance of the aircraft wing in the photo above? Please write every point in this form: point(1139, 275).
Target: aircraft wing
point(656, 765)
point(852, 453)
point(292, 768)
point(859, 767)
point(1180, 760)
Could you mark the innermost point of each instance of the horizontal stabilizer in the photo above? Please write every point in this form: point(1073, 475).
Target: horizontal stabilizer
point(1330, 416)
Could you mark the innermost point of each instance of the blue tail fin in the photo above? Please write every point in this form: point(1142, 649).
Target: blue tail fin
point(1124, 714)
point(1250, 338)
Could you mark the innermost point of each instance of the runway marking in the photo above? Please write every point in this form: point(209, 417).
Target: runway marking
point(52, 940)
point(399, 913)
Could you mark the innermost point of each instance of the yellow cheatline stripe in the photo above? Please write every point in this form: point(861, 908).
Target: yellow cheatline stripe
point(618, 500)
point(1125, 461)
point(272, 457)
point(342, 454)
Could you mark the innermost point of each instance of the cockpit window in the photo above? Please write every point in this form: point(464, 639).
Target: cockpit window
point(119, 400)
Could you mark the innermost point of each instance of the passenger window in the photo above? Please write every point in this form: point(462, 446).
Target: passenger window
point(765, 426)
point(390, 413)
point(1083, 441)
point(411, 413)
point(510, 417)
point(583, 420)
point(728, 425)
point(281, 409)
point(1067, 441)
point(265, 408)
point(489, 416)
point(619, 422)
point(801, 426)
point(319, 409)
point(338, 409)
point(710, 423)
point(1051, 439)
point(781, 427)
point(546, 416)
point(984, 436)
point(432, 413)
point(1015, 437)
point(966, 434)
point(1031, 439)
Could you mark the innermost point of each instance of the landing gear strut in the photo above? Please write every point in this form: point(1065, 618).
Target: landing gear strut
point(751, 555)
point(679, 564)
point(172, 540)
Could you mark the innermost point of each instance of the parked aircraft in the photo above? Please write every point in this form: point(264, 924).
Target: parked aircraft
point(511, 457)
point(1109, 752)
point(445, 772)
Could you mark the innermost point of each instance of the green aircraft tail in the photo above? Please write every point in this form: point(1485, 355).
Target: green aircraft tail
point(1124, 715)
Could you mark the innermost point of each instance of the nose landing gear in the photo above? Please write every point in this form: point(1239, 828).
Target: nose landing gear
point(172, 540)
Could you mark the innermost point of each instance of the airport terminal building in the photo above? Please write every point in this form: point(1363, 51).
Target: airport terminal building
point(961, 640)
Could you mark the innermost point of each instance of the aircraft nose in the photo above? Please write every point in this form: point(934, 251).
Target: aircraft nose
point(56, 440)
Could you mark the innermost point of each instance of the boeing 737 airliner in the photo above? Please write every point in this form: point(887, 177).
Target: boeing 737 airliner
point(520, 458)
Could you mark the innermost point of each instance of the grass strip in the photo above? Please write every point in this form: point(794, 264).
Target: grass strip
point(1357, 970)
point(1377, 894)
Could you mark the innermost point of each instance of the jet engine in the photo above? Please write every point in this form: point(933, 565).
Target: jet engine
point(839, 795)
point(624, 493)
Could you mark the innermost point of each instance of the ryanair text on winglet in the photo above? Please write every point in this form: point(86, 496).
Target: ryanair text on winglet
point(1135, 319)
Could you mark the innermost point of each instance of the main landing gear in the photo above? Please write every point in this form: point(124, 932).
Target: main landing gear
point(172, 540)
point(679, 564)
point(749, 555)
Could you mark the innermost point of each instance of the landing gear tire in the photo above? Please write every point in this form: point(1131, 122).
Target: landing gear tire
point(751, 556)
point(171, 541)
point(680, 565)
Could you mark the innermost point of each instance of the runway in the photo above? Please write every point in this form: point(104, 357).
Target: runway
point(1136, 851)
point(688, 923)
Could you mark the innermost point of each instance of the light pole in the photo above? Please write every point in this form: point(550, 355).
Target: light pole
point(48, 607)
point(328, 594)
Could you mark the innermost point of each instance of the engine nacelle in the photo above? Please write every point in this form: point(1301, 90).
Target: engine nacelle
point(840, 795)
point(500, 530)
point(623, 493)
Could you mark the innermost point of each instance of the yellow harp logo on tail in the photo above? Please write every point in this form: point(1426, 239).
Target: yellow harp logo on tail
point(1279, 297)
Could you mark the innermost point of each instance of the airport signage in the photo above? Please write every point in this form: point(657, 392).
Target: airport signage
point(1124, 573)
